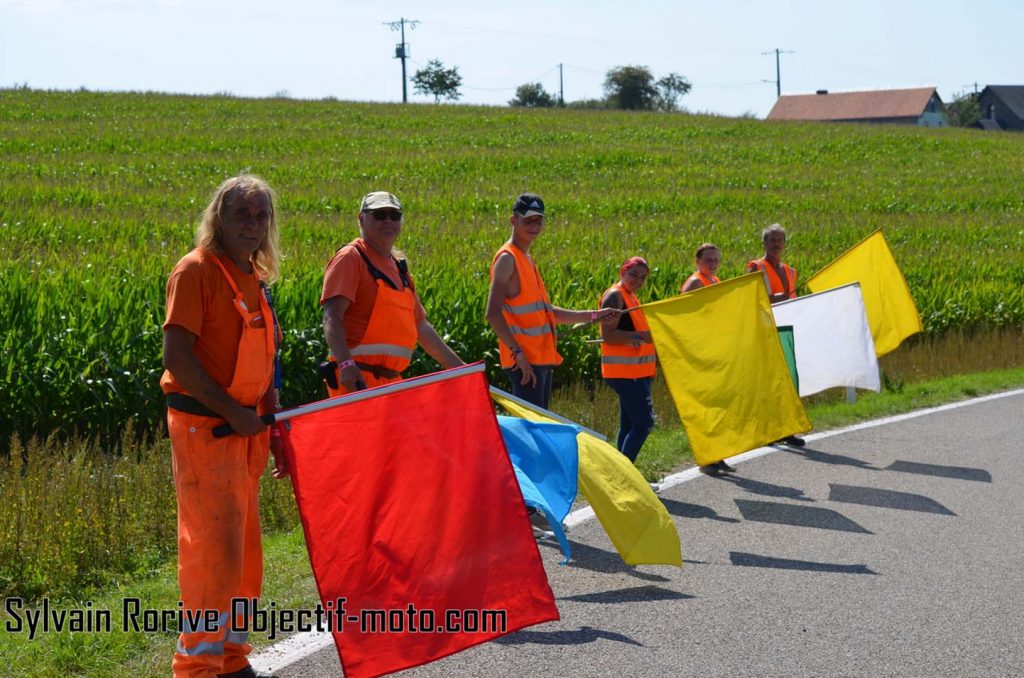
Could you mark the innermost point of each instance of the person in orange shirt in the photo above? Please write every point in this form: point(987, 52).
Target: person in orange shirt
point(628, 361)
point(372, 316)
point(708, 258)
point(520, 311)
point(780, 278)
point(220, 343)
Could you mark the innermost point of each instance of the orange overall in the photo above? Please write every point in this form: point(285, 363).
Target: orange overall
point(390, 337)
point(775, 282)
point(220, 554)
point(529, 314)
point(623, 361)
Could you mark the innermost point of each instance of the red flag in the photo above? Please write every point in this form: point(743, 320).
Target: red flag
point(414, 521)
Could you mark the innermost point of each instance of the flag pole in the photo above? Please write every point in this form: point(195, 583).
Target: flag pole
point(357, 396)
point(547, 413)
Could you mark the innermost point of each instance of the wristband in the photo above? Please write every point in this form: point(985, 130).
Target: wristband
point(593, 316)
point(346, 363)
point(516, 352)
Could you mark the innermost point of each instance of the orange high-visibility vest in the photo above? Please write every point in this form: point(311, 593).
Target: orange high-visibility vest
point(773, 277)
point(622, 361)
point(704, 280)
point(529, 314)
point(391, 335)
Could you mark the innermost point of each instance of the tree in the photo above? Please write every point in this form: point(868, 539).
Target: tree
point(533, 95)
point(964, 110)
point(437, 81)
point(670, 89)
point(631, 88)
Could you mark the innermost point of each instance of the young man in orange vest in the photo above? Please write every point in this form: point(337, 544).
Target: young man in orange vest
point(520, 311)
point(220, 342)
point(780, 278)
point(373, 317)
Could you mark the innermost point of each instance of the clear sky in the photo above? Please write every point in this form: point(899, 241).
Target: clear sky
point(343, 49)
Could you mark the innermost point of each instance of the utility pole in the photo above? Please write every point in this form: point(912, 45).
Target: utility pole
point(561, 88)
point(778, 76)
point(402, 49)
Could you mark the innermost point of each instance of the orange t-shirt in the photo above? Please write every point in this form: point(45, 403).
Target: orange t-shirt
point(200, 300)
point(347, 276)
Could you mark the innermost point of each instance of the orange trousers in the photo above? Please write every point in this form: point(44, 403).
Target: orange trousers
point(220, 553)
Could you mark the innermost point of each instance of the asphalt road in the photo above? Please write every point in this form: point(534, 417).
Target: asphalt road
point(886, 551)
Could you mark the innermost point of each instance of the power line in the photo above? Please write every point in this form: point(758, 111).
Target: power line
point(402, 49)
point(778, 76)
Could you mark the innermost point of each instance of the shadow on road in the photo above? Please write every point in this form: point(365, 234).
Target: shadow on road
point(811, 454)
point(586, 557)
point(958, 472)
point(681, 509)
point(766, 489)
point(798, 516)
point(637, 594)
point(753, 560)
point(584, 634)
point(892, 499)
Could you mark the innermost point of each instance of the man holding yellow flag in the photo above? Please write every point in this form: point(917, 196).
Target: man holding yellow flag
point(780, 278)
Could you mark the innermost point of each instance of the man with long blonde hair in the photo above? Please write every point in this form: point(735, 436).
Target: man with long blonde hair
point(220, 343)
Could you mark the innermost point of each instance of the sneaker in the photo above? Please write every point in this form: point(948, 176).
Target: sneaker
point(655, 487)
point(795, 441)
point(541, 534)
point(711, 469)
point(726, 468)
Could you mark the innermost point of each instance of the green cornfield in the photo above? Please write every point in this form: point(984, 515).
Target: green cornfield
point(100, 195)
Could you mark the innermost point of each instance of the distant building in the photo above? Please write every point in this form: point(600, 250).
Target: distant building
point(921, 106)
point(1002, 107)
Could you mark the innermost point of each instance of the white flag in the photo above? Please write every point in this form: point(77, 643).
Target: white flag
point(832, 339)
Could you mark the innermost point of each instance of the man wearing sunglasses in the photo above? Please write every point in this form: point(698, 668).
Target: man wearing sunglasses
point(373, 318)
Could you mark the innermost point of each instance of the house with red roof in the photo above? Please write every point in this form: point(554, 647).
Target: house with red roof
point(920, 106)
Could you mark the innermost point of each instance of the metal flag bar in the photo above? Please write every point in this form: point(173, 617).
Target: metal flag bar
point(349, 398)
point(547, 413)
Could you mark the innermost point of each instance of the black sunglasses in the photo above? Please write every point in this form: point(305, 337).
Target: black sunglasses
point(386, 214)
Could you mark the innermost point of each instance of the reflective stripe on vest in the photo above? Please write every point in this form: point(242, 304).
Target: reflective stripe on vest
point(529, 315)
point(530, 331)
point(382, 349)
point(774, 281)
point(622, 361)
point(627, 360)
point(523, 309)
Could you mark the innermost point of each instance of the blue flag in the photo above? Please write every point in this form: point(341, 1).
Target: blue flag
point(546, 461)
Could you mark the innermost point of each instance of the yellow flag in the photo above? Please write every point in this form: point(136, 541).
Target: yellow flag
point(634, 518)
point(636, 521)
point(723, 362)
point(892, 315)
